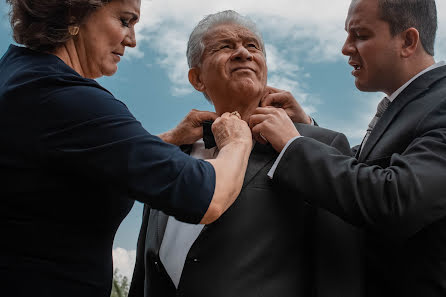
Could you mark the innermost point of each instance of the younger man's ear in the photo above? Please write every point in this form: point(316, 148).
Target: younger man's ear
point(411, 41)
point(195, 79)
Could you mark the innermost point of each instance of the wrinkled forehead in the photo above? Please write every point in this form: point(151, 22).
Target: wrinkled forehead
point(229, 31)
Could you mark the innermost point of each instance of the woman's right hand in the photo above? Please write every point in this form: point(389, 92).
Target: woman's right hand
point(229, 128)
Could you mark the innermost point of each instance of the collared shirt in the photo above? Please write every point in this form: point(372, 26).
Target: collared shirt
point(391, 98)
point(432, 67)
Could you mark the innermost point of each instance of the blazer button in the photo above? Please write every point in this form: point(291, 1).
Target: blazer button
point(157, 266)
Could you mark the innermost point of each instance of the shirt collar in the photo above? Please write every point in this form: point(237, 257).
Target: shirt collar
point(432, 67)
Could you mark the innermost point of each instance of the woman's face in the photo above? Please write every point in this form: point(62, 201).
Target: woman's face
point(102, 39)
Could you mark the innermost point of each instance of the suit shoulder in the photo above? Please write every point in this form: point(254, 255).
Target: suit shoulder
point(332, 138)
point(310, 131)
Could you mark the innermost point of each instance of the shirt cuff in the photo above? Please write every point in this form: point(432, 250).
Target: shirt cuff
point(273, 169)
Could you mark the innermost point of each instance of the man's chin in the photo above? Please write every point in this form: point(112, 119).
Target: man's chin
point(364, 87)
point(247, 87)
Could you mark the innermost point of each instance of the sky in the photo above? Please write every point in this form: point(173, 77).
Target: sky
point(303, 45)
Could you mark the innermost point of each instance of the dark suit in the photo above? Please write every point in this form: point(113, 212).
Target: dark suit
point(264, 245)
point(395, 190)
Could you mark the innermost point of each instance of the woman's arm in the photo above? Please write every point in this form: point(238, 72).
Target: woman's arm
point(233, 138)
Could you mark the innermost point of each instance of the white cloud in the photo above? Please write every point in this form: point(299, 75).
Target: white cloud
point(310, 30)
point(172, 46)
point(124, 261)
point(165, 27)
point(355, 126)
point(288, 75)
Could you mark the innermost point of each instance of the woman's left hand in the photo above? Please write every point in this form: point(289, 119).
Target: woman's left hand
point(189, 130)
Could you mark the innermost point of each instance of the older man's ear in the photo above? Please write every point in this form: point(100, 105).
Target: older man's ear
point(194, 79)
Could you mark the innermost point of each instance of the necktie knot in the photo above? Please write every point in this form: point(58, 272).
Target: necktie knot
point(382, 106)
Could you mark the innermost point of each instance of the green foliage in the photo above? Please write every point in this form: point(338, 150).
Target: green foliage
point(120, 285)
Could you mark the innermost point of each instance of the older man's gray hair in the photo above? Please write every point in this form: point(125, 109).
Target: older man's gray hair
point(195, 46)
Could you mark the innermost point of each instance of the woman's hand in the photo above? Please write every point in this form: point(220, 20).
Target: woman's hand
point(189, 130)
point(230, 129)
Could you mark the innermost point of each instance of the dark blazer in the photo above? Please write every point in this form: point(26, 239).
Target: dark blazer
point(269, 243)
point(395, 190)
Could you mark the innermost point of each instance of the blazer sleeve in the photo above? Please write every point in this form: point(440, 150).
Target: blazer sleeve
point(396, 200)
point(84, 130)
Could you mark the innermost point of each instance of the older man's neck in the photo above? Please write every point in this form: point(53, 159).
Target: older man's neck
point(245, 110)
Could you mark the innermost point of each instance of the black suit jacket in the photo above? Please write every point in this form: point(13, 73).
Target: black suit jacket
point(269, 243)
point(395, 190)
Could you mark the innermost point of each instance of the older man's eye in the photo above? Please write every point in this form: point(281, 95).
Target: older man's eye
point(225, 46)
point(252, 45)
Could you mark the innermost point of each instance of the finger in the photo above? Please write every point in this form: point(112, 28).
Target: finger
point(257, 134)
point(273, 100)
point(272, 90)
point(266, 110)
point(226, 115)
point(206, 116)
point(267, 100)
point(256, 119)
point(277, 100)
point(237, 114)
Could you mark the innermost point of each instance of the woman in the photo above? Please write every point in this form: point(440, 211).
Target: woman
point(73, 158)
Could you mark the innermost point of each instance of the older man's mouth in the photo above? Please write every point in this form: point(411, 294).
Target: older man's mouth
point(243, 69)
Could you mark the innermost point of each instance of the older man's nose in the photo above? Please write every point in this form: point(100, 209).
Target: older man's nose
point(242, 53)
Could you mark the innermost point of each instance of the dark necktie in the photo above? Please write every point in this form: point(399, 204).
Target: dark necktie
point(382, 106)
point(208, 136)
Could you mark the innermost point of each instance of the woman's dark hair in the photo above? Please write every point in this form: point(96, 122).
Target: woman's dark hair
point(42, 25)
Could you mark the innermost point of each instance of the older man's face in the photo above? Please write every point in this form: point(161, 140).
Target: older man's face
point(233, 63)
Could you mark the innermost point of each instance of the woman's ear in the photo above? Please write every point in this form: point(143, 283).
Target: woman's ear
point(195, 79)
point(411, 41)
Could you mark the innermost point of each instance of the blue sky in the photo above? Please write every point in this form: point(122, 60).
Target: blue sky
point(303, 43)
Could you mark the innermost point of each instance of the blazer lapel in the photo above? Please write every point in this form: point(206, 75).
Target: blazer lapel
point(155, 230)
point(415, 89)
point(260, 156)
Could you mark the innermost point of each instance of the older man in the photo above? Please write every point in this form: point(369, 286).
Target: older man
point(269, 243)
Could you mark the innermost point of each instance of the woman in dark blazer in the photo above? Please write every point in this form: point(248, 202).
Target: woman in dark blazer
point(73, 158)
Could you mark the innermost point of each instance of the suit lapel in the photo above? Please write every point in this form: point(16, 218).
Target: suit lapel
point(155, 230)
point(414, 90)
point(260, 156)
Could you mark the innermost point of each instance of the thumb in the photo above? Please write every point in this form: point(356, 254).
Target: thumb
point(206, 116)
